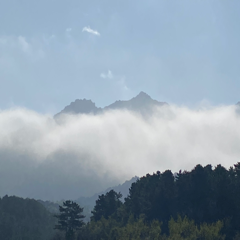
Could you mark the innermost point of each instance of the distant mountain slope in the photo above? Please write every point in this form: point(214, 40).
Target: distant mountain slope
point(142, 103)
point(89, 202)
point(138, 103)
point(80, 107)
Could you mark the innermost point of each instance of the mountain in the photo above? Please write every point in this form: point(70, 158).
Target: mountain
point(80, 107)
point(89, 202)
point(142, 103)
point(138, 103)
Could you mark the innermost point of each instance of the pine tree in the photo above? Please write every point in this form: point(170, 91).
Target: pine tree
point(69, 219)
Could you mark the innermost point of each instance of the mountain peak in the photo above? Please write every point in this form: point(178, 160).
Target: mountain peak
point(80, 106)
point(142, 103)
point(143, 95)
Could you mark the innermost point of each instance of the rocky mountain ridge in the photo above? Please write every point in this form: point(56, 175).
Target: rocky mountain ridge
point(142, 103)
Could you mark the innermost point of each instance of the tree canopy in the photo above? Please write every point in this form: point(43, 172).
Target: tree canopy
point(106, 205)
point(206, 200)
point(203, 203)
point(69, 219)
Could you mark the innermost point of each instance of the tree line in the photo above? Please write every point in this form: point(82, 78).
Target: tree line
point(203, 203)
point(200, 204)
point(25, 219)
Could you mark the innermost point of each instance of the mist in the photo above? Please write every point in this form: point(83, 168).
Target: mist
point(80, 155)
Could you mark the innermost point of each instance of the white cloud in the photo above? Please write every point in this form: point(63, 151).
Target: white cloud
point(108, 75)
point(89, 30)
point(13, 47)
point(68, 30)
point(85, 154)
point(48, 39)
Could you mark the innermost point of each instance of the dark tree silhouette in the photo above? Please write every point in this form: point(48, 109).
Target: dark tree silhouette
point(106, 205)
point(69, 219)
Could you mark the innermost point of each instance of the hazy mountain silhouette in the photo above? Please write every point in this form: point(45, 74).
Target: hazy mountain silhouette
point(142, 103)
point(80, 107)
point(89, 202)
point(138, 103)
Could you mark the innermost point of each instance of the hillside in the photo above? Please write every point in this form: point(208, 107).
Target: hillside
point(24, 219)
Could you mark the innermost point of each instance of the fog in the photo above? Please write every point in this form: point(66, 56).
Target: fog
point(84, 154)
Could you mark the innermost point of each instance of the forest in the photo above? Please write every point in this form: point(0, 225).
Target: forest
point(203, 203)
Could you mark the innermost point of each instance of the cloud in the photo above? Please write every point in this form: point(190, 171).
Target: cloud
point(14, 47)
point(24, 44)
point(85, 154)
point(108, 75)
point(89, 30)
point(119, 80)
point(68, 30)
point(123, 84)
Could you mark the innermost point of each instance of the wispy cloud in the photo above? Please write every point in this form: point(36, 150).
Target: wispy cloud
point(108, 75)
point(24, 44)
point(122, 83)
point(119, 80)
point(89, 30)
point(87, 153)
point(68, 29)
point(14, 46)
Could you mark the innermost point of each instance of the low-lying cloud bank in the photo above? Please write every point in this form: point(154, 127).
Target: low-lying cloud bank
point(85, 154)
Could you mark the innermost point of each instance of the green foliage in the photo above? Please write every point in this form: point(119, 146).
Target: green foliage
point(139, 229)
point(211, 231)
point(69, 219)
point(24, 219)
point(106, 205)
point(110, 229)
point(210, 198)
point(185, 229)
point(204, 195)
point(102, 229)
point(182, 229)
point(154, 197)
point(203, 204)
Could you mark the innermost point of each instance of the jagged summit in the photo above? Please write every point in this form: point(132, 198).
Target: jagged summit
point(143, 95)
point(80, 106)
point(142, 103)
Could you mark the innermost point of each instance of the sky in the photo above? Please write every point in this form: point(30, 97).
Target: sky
point(55, 51)
point(185, 53)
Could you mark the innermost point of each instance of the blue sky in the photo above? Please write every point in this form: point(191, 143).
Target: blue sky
point(53, 52)
point(184, 52)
